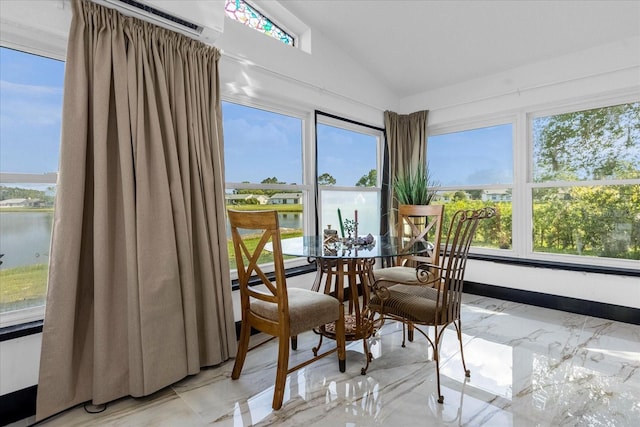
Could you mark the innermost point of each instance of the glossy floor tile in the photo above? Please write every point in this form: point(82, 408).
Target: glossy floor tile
point(529, 367)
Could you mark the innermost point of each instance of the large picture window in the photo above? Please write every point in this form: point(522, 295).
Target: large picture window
point(263, 153)
point(474, 168)
point(586, 182)
point(348, 161)
point(30, 110)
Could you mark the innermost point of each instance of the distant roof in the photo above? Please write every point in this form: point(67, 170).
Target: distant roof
point(286, 196)
point(12, 201)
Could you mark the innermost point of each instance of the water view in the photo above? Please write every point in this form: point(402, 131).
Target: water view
point(25, 238)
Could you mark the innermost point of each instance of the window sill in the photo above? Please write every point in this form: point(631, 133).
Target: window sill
point(22, 330)
point(555, 265)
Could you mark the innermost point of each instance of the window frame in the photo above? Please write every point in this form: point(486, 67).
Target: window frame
point(328, 119)
point(306, 187)
point(478, 123)
point(286, 21)
point(531, 185)
point(523, 184)
point(11, 319)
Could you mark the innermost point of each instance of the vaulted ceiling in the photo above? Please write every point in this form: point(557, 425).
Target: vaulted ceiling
point(415, 46)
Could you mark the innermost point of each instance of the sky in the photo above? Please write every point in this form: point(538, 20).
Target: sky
point(481, 156)
point(30, 112)
point(261, 144)
point(258, 144)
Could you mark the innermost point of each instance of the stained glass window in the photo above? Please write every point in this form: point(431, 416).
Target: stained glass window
point(242, 12)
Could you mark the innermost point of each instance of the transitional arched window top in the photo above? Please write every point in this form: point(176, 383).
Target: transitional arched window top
point(241, 11)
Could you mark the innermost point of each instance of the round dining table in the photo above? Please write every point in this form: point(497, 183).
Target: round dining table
point(351, 261)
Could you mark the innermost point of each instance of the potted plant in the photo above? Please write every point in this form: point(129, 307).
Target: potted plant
point(415, 189)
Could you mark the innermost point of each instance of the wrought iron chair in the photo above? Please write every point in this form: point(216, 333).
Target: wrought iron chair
point(274, 309)
point(434, 299)
point(416, 223)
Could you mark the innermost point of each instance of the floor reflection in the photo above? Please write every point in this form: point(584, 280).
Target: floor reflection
point(529, 367)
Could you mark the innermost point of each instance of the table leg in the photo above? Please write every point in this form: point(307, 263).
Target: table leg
point(340, 324)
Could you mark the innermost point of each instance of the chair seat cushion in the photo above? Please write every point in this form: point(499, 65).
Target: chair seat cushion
point(307, 309)
point(397, 274)
point(414, 303)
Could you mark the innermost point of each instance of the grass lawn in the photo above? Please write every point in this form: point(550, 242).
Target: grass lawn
point(22, 287)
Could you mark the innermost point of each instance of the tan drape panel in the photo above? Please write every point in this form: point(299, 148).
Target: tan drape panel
point(139, 291)
point(406, 149)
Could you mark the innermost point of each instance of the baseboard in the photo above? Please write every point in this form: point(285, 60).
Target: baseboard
point(572, 305)
point(18, 405)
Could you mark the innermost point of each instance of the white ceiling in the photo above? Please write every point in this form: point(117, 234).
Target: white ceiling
point(414, 46)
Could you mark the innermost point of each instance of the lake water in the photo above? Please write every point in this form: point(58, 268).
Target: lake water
point(25, 236)
point(286, 220)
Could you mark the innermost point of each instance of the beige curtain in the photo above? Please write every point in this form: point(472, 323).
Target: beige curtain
point(139, 291)
point(406, 149)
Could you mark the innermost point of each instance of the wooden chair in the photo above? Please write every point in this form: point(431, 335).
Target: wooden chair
point(435, 299)
point(274, 309)
point(415, 223)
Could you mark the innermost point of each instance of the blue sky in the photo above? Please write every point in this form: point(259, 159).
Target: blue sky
point(261, 144)
point(30, 112)
point(478, 156)
point(258, 143)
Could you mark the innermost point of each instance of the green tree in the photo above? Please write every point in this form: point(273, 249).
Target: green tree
point(592, 144)
point(326, 179)
point(368, 180)
point(459, 196)
point(272, 180)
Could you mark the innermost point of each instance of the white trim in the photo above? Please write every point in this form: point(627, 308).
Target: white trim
point(20, 316)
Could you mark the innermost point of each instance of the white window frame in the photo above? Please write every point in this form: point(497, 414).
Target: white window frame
point(307, 185)
point(35, 313)
point(530, 185)
point(497, 120)
point(346, 124)
point(523, 185)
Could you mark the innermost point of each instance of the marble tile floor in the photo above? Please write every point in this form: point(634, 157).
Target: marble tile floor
point(530, 366)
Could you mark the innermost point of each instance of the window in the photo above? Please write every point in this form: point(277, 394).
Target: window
point(348, 160)
point(474, 168)
point(263, 152)
point(586, 182)
point(241, 11)
point(31, 110)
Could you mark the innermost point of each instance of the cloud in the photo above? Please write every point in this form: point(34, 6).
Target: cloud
point(17, 89)
point(30, 105)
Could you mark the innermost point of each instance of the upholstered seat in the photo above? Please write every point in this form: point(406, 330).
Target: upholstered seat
point(307, 309)
point(414, 303)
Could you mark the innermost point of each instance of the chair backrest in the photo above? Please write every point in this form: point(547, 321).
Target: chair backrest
point(260, 227)
point(461, 233)
point(418, 223)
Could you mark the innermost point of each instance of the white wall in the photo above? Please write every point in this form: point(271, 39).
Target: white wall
point(258, 68)
point(602, 71)
point(19, 363)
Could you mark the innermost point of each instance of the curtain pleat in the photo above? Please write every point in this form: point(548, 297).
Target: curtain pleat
point(139, 292)
point(406, 138)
